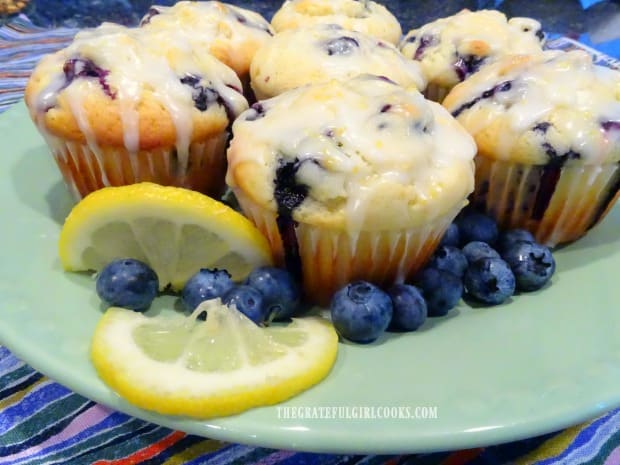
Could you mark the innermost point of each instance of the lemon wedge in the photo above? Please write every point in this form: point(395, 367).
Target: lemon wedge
point(181, 365)
point(174, 230)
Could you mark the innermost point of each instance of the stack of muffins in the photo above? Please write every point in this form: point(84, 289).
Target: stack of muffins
point(363, 146)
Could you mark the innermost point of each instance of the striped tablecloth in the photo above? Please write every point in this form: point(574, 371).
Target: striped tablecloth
point(42, 422)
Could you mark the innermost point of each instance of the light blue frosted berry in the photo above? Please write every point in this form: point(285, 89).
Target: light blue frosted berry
point(247, 300)
point(279, 289)
point(361, 311)
point(449, 258)
point(441, 289)
point(409, 307)
point(489, 280)
point(206, 284)
point(532, 264)
point(476, 250)
point(127, 283)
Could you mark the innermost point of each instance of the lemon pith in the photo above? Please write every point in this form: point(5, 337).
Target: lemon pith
point(256, 366)
point(176, 231)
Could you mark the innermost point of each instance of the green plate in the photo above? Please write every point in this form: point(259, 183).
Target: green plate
point(479, 376)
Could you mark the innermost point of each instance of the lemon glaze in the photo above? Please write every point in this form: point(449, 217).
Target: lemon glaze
point(136, 68)
point(565, 90)
point(372, 154)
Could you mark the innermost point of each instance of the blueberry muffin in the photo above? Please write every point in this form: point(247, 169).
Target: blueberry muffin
point(368, 17)
point(230, 33)
point(114, 110)
point(451, 49)
point(329, 52)
point(547, 128)
point(350, 179)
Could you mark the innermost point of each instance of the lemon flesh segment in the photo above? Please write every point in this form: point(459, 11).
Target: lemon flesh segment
point(176, 231)
point(180, 365)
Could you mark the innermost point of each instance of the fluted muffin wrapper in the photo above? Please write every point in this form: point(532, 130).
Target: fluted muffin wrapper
point(332, 258)
point(86, 168)
point(556, 204)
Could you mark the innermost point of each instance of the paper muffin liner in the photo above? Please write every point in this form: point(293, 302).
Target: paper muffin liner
point(556, 204)
point(86, 168)
point(332, 258)
point(435, 92)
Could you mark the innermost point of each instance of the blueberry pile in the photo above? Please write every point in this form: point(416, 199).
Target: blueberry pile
point(268, 293)
point(474, 260)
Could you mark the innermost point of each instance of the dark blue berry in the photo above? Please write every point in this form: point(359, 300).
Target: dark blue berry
point(409, 307)
point(361, 311)
point(449, 258)
point(467, 65)
point(476, 250)
point(476, 226)
point(508, 238)
point(441, 289)
point(501, 87)
point(341, 46)
point(247, 300)
point(85, 68)
point(127, 283)
point(205, 285)
point(279, 289)
point(532, 264)
point(451, 236)
point(489, 280)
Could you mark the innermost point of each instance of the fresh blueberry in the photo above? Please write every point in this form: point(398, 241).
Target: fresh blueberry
point(279, 289)
point(489, 280)
point(508, 238)
point(451, 236)
point(247, 300)
point(205, 285)
point(127, 283)
point(477, 227)
point(532, 264)
point(441, 289)
point(361, 311)
point(409, 307)
point(449, 258)
point(475, 250)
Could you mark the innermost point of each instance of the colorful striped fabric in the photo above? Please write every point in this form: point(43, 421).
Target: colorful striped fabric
point(41, 422)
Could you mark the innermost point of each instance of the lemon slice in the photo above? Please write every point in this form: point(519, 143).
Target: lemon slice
point(184, 366)
point(176, 231)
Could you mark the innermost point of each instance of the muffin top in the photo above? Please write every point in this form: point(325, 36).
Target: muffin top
point(555, 107)
point(368, 17)
point(450, 49)
point(230, 33)
point(364, 154)
point(317, 54)
point(110, 87)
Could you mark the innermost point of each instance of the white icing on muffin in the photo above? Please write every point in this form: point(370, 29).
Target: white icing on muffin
point(555, 107)
point(230, 33)
point(366, 154)
point(112, 87)
point(323, 52)
point(451, 49)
